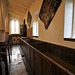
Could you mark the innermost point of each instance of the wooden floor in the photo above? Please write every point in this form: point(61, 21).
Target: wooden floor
point(17, 65)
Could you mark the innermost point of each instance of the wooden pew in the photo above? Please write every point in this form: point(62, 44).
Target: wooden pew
point(42, 58)
point(4, 53)
point(0, 63)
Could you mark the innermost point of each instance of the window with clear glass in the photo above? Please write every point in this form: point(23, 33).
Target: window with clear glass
point(14, 27)
point(69, 25)
point(35, 24)
point(73, 28)
point(35, 28)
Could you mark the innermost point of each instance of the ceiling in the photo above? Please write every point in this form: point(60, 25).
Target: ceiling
point(18, 8)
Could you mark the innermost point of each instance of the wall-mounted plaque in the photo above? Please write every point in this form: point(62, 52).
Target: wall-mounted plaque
point(48, 10)
point(29, 19)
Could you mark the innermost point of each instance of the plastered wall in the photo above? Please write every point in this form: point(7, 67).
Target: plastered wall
point(3, 11)
point(55, 32)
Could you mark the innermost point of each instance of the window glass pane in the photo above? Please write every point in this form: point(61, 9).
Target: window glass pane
point(68, 18)
point(34, 28)
point(74, 22)
point(17, 27)
point(12, 27)
point(35, 24)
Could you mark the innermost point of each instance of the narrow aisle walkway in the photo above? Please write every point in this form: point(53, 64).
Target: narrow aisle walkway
point(17, 65)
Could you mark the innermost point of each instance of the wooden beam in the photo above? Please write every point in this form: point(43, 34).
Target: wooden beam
point(15, 15)
point(18, 4)
point(11, 9)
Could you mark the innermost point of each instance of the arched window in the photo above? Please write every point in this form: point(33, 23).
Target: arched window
point(14, 24)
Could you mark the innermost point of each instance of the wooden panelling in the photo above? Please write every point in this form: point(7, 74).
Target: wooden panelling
point(46, 68)
point(48, 59)
point(33, 61)
point(60, 72)
point(6, 36)
point(5, 57)
point(29, 56)
point(29, 32)
point(38, 68)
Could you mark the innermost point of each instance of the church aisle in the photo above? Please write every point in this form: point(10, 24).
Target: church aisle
point(17, 65)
